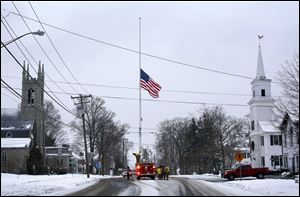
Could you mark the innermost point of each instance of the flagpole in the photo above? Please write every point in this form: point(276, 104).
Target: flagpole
point(140, 118)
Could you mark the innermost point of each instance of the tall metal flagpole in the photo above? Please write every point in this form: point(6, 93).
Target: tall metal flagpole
point(140, 118)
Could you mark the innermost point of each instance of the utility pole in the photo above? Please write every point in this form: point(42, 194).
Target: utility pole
point(124, 158)
point(81, 97)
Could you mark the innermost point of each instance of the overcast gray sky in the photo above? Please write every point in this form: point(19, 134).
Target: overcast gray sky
point(220, 36)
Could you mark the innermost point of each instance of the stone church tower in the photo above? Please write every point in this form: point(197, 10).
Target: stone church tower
point(33, 103)
point(264, 135)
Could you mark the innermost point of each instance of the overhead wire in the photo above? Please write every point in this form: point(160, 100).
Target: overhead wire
point(132, 88)
point(30, 62)
point(16, 95)
point(165, 101)
point(9, 97)
point(56, 49)
point(26, 51)
point(44, 50)
point(135, 51)
point(37, 83)
point(22, 98)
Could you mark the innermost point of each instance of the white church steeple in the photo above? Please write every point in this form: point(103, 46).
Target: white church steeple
point(262, 128)
point(260, 74)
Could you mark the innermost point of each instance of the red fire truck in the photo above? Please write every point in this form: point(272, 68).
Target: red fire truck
point(145, 169)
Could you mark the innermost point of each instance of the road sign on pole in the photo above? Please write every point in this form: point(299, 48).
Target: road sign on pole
point(239, 156)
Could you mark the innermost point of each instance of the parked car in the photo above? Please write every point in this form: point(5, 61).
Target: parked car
point(145, 169)
point(124, 174)
point(246, 171)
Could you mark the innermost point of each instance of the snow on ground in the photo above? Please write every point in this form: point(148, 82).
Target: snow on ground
point(259, 187)
point(54, 185)
point(40, 185)
point(249, 186)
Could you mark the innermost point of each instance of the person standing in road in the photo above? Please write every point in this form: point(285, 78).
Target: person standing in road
point(163, 172)
point(167, 170)
point(158, 170)
point(128, 172)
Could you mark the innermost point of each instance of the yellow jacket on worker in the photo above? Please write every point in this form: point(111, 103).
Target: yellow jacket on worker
point(158, 170)
point(167, 169)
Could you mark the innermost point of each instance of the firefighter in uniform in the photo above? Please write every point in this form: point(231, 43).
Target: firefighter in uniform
point(159, 171)
point(167, 170)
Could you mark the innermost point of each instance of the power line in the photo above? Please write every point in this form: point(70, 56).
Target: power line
point(10, 97)
point(27, 52)
point(132, 88)
point(11, 93)
point(56, 48)
point(134, 51)
point(16, 93)
point(164, 101)
point(43, 48)
point(22, 98)
point(37, 83)
point(32, 58)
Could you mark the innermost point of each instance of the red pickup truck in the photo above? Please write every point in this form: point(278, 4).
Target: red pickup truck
point(246, 170)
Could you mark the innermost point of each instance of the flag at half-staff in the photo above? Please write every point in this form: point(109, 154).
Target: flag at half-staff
point(150, 85)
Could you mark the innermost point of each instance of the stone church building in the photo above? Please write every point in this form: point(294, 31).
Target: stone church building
point(18, 135)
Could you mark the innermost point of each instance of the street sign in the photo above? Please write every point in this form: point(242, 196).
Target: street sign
point(239, 156)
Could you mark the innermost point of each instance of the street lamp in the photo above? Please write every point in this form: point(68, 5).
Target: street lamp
point(39, 33)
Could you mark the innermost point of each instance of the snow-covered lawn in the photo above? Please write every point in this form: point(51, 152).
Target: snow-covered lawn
point(41, 185)
point(44, 185)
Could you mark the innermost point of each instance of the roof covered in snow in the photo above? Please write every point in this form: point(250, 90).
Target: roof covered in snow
point(17, 125)
point(15, 142)
point(268, 126)
point(77, 156)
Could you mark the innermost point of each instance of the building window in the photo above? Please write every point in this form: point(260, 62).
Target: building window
point(276, 160)
point(275, 140)
point(31, 96)
point(252, 125)
point(253, 93)
point(247, 155)
point(285, 162)
point(285, 142)
point(291, 137)
point(252, 145)
point(3, 158)
point(297, 163)
point(262, 141)
point(263, 92)
point(262, 161)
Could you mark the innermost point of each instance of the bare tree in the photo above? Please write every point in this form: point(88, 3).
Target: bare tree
point(53, 127)
point(288, 77)
point(105, 135)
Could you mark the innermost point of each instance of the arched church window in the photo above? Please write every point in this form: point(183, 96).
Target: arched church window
point(31, 96)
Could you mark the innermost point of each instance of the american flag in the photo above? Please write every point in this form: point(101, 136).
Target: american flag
point(149, 84)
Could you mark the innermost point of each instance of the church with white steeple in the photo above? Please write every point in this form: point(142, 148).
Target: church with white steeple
point(265, 137)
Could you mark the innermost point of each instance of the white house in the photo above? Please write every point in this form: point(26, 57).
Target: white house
point(265, 137)
point(289, 127)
